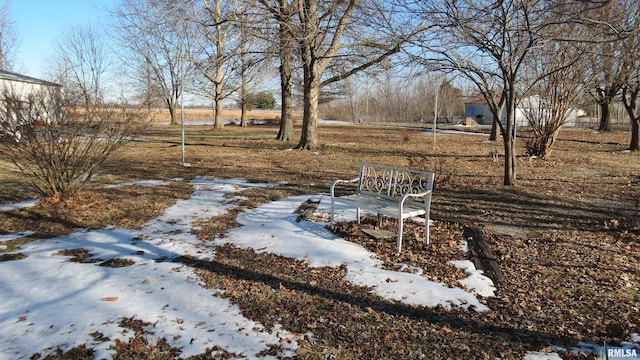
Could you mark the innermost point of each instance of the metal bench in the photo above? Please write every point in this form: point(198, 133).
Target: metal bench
point(390, 191)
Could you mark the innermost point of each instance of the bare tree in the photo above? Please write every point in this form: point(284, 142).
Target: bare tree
point(335, 39)
point(354, 100)
point(489, 42)
point(607, 89)
point(57, 135)
point(557, 72)
point(251, 67)
point(450, 100)
point(606, 64)
point(150, 33)
point(232, 54)
point(8, 37)
point(331, 36)
point(630, 93)
point(82, 64)
point(148, 92)
point(282, 11)
point(390, 96)
point(286, 53)
point(216, 35)
point(630, 76)
point(243, 95)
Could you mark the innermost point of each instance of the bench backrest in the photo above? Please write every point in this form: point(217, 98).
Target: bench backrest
point(392, 183)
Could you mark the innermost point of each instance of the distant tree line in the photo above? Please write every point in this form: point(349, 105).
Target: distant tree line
point(397, 99)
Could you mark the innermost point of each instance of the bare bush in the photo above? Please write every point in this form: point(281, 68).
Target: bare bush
point(558, 74)
point(57, 146)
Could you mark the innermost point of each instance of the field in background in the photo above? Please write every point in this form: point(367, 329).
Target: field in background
point(162, 115)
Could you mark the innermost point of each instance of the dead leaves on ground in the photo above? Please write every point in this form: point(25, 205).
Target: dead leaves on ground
point(416, 256)
point(569, 283)
point(83, 256)
point(97, 207)
point(347, 322)
point(561, 288)
point(78, 255)
point(12, 256)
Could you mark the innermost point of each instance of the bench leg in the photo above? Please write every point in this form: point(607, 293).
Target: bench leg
point(400, 235)
point(426, 229)
point(333, 208)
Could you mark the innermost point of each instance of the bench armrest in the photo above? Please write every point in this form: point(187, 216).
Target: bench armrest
point(333, 186)
point(333, 195)
point(406, 196)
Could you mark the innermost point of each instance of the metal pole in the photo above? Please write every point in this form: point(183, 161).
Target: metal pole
point(182, 76)
point(182, 118)
point(435, 116)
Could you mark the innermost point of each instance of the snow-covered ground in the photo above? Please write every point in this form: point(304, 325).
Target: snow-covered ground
point(48, 302)
point(19, 205)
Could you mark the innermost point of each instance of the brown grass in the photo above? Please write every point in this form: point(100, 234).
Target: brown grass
point(563, 236)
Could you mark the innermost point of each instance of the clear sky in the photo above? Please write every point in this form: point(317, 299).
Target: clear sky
point(39, 24)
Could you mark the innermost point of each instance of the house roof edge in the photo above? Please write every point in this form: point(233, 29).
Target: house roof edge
point(7, 75)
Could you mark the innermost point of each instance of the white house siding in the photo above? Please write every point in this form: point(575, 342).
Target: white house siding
point(479, 111)
point(22, 87)
point(533, 103)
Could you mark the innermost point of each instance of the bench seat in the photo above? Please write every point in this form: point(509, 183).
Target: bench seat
point(381, 206)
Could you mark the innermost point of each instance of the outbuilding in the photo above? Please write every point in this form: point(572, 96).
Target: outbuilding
point(23, 85)
point(478, 110)
point(20, 93)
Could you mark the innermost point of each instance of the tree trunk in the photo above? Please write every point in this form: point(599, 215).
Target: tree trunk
point(243, 89)
point(217, 101)
point(243, 114)
point(509, 161)
point(219, 63)
point(286, 117)
point(550, 141)
point(630, 101)
point(605, 114)
point(635, 136)
point(286, 70)
point(219, 112)
point(542, 140)
point(496, 127)
point(309, 136)
point(509, 138)
point(311, 70)
point(173, 114)
point(494, 130)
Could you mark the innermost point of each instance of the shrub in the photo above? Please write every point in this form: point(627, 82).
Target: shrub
point(57, 146)
point(262, 100)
